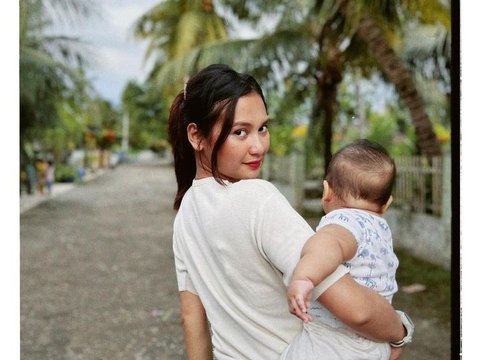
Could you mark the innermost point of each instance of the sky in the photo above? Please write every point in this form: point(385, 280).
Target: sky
point(116, 56)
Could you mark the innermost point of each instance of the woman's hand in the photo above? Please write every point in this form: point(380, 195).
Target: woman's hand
point(395, 353)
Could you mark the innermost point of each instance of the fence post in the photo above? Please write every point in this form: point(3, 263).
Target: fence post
point(265, 174)
point(297, 179)
point(447, 196)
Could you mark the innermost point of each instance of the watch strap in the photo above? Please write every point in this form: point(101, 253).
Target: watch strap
point(409, 326)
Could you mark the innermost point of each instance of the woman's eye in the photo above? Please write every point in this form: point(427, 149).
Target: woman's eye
point(264, 128)
point(240, 132)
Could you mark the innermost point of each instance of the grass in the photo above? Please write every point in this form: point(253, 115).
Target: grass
point(435, 300)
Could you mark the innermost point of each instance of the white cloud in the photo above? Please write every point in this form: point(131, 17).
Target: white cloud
point(128, 11)
point(116, 56)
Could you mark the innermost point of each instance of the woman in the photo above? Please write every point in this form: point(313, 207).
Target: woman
point(236, 238)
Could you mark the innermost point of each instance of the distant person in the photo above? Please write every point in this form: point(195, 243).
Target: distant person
point(32, 179)
point(41, 168)
point(357, 191)
point(80, 173)
point(50, 176)
point(236, 238)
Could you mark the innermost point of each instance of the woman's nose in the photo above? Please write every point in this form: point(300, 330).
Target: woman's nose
point(258, 145)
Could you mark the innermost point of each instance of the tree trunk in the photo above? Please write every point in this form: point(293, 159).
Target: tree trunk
point(325, 108)
point(329, 74)
point(399, 75)
point(326, 105)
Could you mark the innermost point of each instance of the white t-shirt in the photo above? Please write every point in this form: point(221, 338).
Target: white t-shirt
point(236, 247)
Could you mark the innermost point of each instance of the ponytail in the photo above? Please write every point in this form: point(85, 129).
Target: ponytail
point(183, 154)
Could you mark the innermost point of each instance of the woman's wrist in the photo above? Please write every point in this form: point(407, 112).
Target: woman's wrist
point(409, 327)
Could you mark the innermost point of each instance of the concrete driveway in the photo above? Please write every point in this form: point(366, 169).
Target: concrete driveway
point(97, 273)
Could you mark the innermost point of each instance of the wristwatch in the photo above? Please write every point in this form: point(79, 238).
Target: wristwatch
point(409, 326)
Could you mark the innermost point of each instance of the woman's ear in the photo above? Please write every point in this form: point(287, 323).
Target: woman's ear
point(194, 136)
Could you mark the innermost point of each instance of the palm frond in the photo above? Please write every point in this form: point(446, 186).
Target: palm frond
point(159, 19)
point(67, 11)
point(185, 33)
point(427, 41)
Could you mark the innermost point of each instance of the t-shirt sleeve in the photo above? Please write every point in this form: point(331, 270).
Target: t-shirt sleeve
point(282, 232)
point(183, 279)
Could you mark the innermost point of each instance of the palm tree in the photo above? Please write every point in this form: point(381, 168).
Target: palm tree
point(395, 70)
point(356, 18)
point(174, 28)
point(50, 66)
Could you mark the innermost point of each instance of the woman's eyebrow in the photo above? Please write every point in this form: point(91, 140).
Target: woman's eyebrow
point(247, 123)
point(242, 123)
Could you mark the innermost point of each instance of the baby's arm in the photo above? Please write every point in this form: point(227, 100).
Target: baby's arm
point(321, 255)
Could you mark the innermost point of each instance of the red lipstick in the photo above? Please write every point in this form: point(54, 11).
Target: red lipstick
point(254, 165)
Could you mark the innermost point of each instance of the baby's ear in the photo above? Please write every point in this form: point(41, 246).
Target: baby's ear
point(194, 136)
point(387, 204)
point(327, 191)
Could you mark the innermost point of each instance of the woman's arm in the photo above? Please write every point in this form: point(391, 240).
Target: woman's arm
point(196, 332)
point(365, 311)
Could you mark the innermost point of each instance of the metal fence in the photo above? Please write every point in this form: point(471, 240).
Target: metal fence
point(420, 183)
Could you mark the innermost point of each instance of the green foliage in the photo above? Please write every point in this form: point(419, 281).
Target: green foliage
point(48, 67)
point(67, 135)
point(358, 119)
point(146, 111)
point(51, 73)
point(65, 173)
point(287, 115)
point(281, 139)
point(384, 129)
point(174, 29)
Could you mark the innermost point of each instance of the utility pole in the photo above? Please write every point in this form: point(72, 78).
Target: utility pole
point(125, 126)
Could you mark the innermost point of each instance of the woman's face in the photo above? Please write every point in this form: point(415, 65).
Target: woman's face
point(244, 149)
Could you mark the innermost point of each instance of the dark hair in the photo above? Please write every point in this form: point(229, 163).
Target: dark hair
point(209, 96)
point(362, 169)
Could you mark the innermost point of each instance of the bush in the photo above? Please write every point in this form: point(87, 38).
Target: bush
point(65, 173)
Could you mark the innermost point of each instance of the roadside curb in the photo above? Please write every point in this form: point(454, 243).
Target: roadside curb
point(29, 201)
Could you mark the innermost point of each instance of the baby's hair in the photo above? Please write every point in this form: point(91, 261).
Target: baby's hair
point(363, 170)
point(208, 97)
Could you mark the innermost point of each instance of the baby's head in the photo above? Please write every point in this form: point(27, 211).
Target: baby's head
point(363, 173)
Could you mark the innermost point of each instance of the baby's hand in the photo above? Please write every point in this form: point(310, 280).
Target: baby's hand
point(298, 295)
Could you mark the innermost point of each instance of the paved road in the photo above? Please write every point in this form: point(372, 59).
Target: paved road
point(97, 275)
